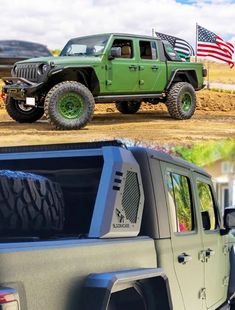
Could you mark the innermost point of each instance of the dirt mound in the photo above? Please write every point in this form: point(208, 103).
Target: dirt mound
point(215, 101)
point(206, 101)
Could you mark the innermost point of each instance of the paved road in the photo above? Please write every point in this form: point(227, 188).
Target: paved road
point(223, 86)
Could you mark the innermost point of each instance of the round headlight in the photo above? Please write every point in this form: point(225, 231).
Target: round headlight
point(14, 70)
point(43, 68)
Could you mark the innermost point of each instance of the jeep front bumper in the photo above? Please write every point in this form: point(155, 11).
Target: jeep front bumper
point(20, 88)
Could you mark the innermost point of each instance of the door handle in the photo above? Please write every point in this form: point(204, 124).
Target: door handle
point(154, 68)
point(133, 67)
point(184, 258)
point(209, 253)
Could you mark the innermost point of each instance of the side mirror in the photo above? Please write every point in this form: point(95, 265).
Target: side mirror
point(115, 52)
point(229, 218)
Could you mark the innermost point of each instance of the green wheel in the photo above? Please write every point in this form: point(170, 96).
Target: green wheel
point(69, 105)
point(181, 101)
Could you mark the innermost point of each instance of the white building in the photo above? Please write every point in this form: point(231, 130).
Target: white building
point(223, 174)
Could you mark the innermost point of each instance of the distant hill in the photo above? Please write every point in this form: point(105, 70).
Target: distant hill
point(219, 72)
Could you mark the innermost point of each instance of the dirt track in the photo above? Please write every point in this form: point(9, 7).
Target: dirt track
point(214, 119)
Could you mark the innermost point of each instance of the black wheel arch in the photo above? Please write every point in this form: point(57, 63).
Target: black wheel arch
point(183, 75)
point(84, 75)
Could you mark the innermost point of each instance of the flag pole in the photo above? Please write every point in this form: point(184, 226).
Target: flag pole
point(208, 74)
point(196, 42)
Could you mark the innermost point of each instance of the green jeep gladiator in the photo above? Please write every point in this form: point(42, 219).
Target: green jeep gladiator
point(120, 68)
point(100, 226)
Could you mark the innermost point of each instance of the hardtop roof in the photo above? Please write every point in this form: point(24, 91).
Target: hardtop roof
point(129, 35)
point(172, 160)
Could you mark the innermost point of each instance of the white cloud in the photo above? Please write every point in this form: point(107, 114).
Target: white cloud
point(53, 22)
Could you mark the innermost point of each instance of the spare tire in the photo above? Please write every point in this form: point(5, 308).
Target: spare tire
point(29, 204)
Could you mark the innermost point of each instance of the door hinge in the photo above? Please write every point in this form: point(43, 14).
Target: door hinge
point(109, 82)
point(205, 255)
point(202, 257)
point(225, 281)
point(202, 294)
point(226, 249)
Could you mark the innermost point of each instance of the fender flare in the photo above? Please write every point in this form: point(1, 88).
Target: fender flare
point(190, 74)
point(98, 288)
point(93, 84)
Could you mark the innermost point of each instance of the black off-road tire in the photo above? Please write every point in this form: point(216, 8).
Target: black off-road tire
point(20, 115)
point(29, 204)
point(128, 107)
point(178, 108)
point(52, 106)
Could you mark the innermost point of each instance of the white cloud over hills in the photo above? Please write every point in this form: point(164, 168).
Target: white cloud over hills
point(53, 22)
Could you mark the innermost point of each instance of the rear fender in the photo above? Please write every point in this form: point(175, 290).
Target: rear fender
point(98, 288)
point(185, 75)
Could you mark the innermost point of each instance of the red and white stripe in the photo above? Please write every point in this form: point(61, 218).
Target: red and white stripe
point(220, 50)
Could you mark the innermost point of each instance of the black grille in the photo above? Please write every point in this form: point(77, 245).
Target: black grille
point(131, 196)
point(27, 71)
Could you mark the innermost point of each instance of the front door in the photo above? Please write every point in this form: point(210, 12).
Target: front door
point(122, 72)
point(215, 253)
point(185, 235)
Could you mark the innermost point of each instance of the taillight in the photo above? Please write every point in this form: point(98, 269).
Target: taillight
point(204, 72)
point(3, 96)
point(9, 299)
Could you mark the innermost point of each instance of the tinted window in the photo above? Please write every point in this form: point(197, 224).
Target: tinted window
point(170, 52)
point(207, 207)
point(179, 195)
point(22, 49)
point(126, 47)
point(148, 50)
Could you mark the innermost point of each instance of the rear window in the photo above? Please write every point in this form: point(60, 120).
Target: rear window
point(22, 49)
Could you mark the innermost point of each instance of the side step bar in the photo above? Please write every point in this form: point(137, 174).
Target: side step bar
point(109, 98)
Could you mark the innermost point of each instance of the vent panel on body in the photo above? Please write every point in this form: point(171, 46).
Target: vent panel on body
point(131, 196)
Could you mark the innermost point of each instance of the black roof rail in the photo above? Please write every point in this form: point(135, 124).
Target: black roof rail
point(60, 147)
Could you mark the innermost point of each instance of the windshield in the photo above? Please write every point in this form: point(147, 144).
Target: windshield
point(87, 46)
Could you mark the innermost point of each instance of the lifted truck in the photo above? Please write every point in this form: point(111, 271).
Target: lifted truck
point(120, 68)
point(101, 226)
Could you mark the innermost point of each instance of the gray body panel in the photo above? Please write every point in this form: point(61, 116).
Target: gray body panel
point(50, 275)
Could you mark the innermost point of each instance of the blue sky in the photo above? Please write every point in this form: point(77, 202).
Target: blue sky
point(53, 22)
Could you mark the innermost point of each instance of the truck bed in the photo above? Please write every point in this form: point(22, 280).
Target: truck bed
point(53, 272)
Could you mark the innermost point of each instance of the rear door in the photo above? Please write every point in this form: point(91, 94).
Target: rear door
point(215, 253)
point(185, 235)
point(152, 71)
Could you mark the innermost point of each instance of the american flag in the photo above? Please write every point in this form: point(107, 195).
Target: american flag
point(209, 44)
point(182, 47)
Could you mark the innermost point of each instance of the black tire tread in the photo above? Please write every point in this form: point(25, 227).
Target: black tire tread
point(22, 117)
point(173, 101)
point(30, 205)
point(50, 104)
